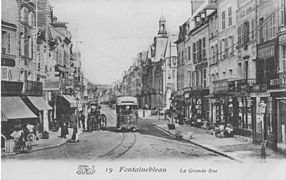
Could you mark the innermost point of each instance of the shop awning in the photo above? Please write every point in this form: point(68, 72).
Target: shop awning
point(40, 103)
point(71, 100)
point(15, 108)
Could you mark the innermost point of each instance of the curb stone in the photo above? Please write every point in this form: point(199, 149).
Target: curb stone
point(212, 149)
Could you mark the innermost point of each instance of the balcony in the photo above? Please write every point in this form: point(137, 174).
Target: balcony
point(10, 88)
point(33, 88)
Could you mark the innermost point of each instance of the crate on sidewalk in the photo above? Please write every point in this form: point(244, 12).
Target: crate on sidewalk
point(9, 146)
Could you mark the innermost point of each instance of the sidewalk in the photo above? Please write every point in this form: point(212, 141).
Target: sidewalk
point(54, 141)
point(233, 147)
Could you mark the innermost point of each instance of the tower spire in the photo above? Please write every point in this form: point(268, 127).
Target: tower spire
point(162, 25)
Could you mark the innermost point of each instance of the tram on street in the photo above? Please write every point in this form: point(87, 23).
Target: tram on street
point(126, 113)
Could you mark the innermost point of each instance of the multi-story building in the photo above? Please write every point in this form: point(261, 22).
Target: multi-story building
point(169, 68)
point(279, 98)
point(9, 45)
point(181, 67)
point(267, 73)
point(224, 65)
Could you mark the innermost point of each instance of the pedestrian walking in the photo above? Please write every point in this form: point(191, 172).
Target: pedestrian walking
point(82, 119)
point(62, 125)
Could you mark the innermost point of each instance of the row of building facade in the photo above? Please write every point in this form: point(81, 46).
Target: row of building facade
point(227, 63)
point(41, 72)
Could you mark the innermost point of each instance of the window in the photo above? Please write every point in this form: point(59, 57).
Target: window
point(4, 73)
point(217, 76)
point(252, 29)
point(230, 72)
point(226, 47)
point(273, 26)
point(202, 78)
point(39, 66)
point(282, 12)
point(174, 74)
point(22, 42)
point(193, 79)
point(190, 78)
point(8, 43)
point(261, 30)
point(205, 78)
point(229, 16)
point(283, 66)
point(239, 32)
point(213, 77)
point(194, 53)
point(212, 55)
point(182, 58)
point(231, 38)
point(223, 74)
point(189, 53)
point(199, 50)
point(223, 20)
point(204, 50)
point(216, 49)
point(197, 78)
point(245, 33)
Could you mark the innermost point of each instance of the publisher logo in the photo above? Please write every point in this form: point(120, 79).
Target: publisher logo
point(85, 170)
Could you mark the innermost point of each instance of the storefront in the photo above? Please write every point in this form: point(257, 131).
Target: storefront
point(222, 107)
point(267, 79)
point(179, 101)
point(42, 109)
point(66, 106)
point(199, 105)
point(15, 114)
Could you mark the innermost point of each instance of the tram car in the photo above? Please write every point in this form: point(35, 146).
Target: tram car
point(126, 113)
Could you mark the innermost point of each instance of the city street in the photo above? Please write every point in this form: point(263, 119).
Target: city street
point(147, 143)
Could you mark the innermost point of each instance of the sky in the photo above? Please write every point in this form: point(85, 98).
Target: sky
point(110, 33)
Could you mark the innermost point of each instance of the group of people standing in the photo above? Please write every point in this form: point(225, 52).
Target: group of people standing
point(74, 121)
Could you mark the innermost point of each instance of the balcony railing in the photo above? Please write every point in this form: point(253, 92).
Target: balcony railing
point(33, 88)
